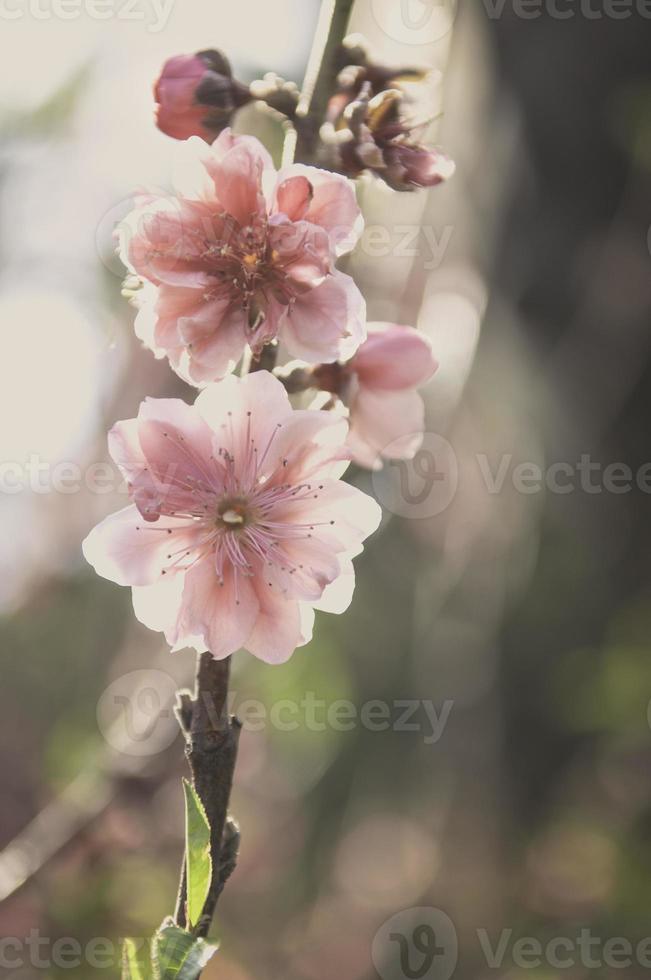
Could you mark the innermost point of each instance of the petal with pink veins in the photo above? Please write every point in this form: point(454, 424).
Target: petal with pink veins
point(327, 323)
point(238, 179)
point(226, 406)
point(223, 614)
point(125, 550)
point(309, 445)
point(341, 514)
point(215, 340)
point(280, 628)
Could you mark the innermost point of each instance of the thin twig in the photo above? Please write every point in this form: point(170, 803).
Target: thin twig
point(321, 75)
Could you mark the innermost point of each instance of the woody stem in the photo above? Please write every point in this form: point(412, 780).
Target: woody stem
point(320, 77)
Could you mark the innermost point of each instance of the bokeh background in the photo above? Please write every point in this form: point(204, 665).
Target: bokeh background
point(528, 614)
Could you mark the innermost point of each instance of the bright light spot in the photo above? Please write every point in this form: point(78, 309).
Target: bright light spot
point(49, 375)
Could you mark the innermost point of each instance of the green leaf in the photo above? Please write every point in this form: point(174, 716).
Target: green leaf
point(180, 956)
point(197, 853)
point(135, 961)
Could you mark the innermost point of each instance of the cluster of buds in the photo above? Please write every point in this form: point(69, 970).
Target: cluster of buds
point(376, 118)
point(373, 124)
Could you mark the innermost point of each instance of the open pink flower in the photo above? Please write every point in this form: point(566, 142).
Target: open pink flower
point(240, 526)
point(378, 385)
point(245, 256)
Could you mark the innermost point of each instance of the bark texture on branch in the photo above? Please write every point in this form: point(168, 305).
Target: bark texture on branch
point(212, 737)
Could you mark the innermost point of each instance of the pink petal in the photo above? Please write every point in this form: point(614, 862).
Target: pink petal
point(327, 323)
point(312, 564)
point(215, 340)
point(342, 515)
point(177, 445)
point(126, 550)
point(394, 358)
point(228, 140)
point(279, 629)
point(158, 607)
point(385, 424)
point(226, 406)
point(224, 615)
point(302, 251)
point(125, 449)
point(338, 595)
point(238, 175)
point(333, 206)
point(293, 197)
point(172, 303)
point(166, 239)
point(309, 446)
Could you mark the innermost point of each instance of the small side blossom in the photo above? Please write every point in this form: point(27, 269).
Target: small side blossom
point(240, 525)
point(196, 95)
point(243, 255)
point(378, 385)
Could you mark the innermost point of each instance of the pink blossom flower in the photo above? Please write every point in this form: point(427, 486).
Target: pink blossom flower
point(378, 384)
point(196, 95)
point(242, 257)
point(240, 526)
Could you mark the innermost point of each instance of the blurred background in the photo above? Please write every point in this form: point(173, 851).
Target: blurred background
point(513, 614)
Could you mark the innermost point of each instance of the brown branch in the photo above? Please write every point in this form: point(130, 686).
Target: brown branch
point(212, 737)
point(320, 76)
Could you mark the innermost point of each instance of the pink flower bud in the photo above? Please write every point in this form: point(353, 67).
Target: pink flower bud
point(378, 387)
point(197, 95)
